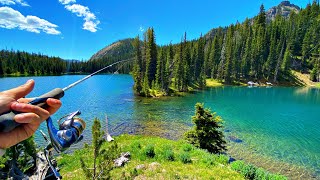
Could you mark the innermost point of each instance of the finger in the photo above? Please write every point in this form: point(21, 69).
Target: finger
point(54, 105)
point(27, 118)
point(17, 135)
point(20, 91)
point(28, 108)
point(25, 100)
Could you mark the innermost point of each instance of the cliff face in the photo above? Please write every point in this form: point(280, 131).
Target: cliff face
point(284, 9)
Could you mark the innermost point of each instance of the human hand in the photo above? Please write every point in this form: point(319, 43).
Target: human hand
point(30, 118)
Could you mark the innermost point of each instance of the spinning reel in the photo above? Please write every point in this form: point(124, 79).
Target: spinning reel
point(70, 132)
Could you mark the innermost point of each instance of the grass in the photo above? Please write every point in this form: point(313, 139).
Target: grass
point(251, 172)
point(303, 78)
point(213, 83)
point(158, 158)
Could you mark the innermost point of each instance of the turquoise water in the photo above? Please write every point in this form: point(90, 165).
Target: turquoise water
point(279, 123)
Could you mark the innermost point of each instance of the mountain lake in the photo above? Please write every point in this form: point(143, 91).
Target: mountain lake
point(276, 128)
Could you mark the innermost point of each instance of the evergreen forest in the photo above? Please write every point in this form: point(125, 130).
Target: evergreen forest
point(255, 50)
point(20, 63)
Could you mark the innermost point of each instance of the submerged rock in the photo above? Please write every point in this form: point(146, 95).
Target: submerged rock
point(235, 139)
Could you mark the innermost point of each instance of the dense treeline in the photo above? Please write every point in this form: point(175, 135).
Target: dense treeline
point(23, 63)
point(252, 50)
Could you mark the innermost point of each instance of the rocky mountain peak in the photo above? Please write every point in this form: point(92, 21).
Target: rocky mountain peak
point(284, 9)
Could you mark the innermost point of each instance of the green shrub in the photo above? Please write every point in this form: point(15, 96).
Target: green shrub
point(209, 160)
point(168, 155)
point(102, 157)
point(185, 158)
point(134, 173)
point(135, 145)
point(248, 171)
point(149, 151)
point(222, 159)
point(261, 174)
point(237, 165)
point(187, 147)
point(251, 172)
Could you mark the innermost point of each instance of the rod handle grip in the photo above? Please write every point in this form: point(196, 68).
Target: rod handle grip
point(7, 122)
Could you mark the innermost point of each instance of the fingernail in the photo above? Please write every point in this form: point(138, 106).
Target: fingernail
point(56, 101)
point(16, 105)
point(29, 81)
point(20, 116)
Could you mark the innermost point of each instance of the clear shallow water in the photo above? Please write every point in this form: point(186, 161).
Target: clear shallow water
point(282, 124)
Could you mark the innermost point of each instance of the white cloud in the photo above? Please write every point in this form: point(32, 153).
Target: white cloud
point(11, 19)
point(65, 2)
point(141, 29)
point(90, 19)
point(14, 2)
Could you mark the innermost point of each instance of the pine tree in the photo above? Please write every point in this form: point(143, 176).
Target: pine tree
point(279, 61)
point(186, 56)
point(221, 66)
point(166, 76)
point(178, 77)
point(200, 57)
point(269, 65)
point(247, 53)
point(102, 158)
point(151, 55)
point(207, 132)
point(228, 78)
point(285, 66)
point(145, 86)
point(160, 70)
point(214, 56)
point(137, 73)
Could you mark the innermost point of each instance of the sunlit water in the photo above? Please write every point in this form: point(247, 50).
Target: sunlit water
point(265, 126)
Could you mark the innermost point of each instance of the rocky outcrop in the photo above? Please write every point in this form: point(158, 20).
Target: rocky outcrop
point(284, 9)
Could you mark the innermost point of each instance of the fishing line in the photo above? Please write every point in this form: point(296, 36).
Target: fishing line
point(109, 78)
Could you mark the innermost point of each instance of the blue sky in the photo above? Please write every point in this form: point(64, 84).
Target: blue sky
point(76, 29)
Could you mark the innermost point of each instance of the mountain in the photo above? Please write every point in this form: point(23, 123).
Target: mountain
point(120, 49)
point(284, 9)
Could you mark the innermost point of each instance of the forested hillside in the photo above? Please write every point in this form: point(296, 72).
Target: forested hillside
point(122, 49)
point(252, 50)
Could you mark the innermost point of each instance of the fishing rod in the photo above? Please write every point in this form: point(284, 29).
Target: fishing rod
point(69, 132)
point(7, 122)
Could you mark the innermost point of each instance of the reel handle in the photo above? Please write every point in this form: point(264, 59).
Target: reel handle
point(7, 122)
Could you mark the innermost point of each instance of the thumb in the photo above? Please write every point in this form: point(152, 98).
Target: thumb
point(21, 91)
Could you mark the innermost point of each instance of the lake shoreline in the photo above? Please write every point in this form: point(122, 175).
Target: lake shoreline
point(239, 151)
